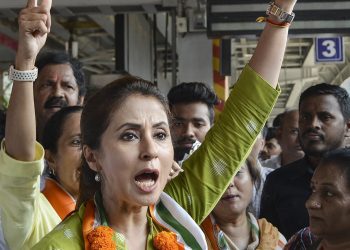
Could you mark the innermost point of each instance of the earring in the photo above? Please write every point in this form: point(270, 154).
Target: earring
point(51, 172)
point(97, 177)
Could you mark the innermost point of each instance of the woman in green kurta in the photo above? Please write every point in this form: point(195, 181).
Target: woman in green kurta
point(135, 169)
point(128, 153)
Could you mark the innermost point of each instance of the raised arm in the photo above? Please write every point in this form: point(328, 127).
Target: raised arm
point(268, 56)
point(209, 170)
point(20, 133)
point(24, 212)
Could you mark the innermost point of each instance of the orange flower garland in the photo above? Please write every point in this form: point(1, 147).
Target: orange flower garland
point(166, 241)
point(101, 238)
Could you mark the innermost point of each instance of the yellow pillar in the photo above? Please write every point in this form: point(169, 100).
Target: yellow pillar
point(220, 83)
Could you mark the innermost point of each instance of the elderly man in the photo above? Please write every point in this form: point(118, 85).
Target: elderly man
point(60, 83)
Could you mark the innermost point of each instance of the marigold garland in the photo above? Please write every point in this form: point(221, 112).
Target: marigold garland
point(165, 241)
point(101, 238)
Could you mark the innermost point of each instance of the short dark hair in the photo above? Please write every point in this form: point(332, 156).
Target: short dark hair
point(264, 131)
point(271, 133)
point(285, 115)
point(60, 57)
point(338, 92)
point(190, 92)
point(96, 117)
point(278, 120)
point(340, 158)
point(54, 127)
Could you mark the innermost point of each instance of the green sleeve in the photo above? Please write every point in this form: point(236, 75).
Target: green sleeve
point(59, 242)
point(67, 235)
point(209, 170)
point(26, 215)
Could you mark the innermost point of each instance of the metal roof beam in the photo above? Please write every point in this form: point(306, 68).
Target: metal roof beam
point(224, 8)
point(106, 23)
point(5, 4)
point(297, 25)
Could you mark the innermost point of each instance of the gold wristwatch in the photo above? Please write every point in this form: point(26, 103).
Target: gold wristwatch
point(278, 12)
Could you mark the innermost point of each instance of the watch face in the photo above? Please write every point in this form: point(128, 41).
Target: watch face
point(283, 16)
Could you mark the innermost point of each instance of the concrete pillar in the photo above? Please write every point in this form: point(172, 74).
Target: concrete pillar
point(195, 58)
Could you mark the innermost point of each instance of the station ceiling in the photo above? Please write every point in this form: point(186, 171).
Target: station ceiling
point(91, 23)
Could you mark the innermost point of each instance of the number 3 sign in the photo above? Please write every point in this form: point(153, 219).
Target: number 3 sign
point(329, 49)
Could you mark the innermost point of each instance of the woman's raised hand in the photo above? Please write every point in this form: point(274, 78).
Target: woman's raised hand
point(34, 25)
point(268, 56)
point(175, 171)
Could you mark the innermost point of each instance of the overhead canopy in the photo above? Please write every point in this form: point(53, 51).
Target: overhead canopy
point(227, 18)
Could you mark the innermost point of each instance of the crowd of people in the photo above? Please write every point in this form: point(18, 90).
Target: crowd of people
point(131, 169)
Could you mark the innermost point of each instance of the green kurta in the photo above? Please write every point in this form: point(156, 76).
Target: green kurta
point(208, 172)
point(26, 215)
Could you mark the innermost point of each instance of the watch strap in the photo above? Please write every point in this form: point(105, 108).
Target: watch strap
point(23, 76)
point(278, 12)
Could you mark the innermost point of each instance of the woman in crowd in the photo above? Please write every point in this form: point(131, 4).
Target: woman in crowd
point(62, 143)
point(231, 226)
point(128, 151)
point(128, 159)
point(328, 206)
point(21, 192)
point(27, 213)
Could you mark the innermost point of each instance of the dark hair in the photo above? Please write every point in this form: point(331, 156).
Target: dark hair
point(60, 57)
point(340, 158)
point(54, 127)
point(271, 133)
point(190, 92)
point(338, 92)
point(286, 114)
point(96, 118)
point(264, 131)
point(277, 122)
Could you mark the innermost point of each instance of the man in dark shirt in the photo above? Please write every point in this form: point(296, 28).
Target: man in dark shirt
point(324, 120)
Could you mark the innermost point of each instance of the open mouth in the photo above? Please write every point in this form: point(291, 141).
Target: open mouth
point(146, 179)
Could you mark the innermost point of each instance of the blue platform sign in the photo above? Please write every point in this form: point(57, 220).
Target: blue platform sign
point(329, 49)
